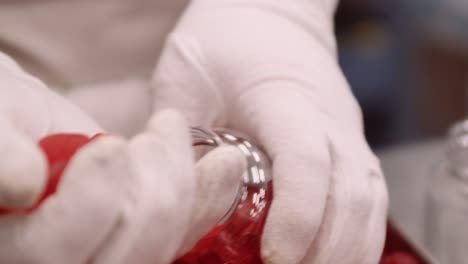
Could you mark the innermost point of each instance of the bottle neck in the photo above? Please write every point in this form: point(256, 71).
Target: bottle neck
point(258, 172)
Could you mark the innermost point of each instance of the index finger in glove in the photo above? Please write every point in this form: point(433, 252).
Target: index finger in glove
point(301, 165)
point(159, 198)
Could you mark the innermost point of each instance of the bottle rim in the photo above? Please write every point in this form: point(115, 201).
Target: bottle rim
point(258, 171)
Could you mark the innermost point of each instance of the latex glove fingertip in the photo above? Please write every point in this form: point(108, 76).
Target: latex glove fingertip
point(166, 121)
point(100, 150)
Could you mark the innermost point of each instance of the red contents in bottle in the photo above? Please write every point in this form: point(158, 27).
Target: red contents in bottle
point(399, 258)
point(237, 241)
point(59, 149)
point(397, 250)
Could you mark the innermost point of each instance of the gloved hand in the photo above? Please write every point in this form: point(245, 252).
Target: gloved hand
point(29, 111)
point(269, 69)
point(119, 201)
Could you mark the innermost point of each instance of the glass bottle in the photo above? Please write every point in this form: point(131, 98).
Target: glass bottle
point(236, 239)
point(447, 201)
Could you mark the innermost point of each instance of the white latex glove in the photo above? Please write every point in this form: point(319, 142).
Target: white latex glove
point(269, 69)
point(28, 112)
point(119, 201)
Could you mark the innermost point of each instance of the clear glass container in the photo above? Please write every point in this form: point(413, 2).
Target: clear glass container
point(447, 201)
point(236, 238)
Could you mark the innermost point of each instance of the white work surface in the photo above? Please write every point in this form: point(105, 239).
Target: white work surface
point(407, 169)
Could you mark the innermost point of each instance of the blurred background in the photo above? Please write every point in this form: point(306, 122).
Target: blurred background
point(407, 63)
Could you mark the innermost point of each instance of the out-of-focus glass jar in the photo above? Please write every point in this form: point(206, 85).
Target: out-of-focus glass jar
point(447, 201)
